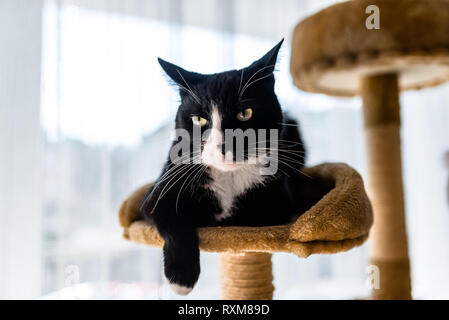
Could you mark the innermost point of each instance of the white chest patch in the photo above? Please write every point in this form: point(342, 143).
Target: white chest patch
point(228, 185)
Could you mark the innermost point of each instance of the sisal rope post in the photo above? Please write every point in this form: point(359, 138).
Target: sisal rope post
point(389, 250)
point(246, 276)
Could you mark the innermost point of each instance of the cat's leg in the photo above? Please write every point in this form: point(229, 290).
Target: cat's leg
point(181, 253)
point(177, 212)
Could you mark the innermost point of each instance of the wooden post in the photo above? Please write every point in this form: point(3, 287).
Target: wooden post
point(389, 250)
point(246, 276)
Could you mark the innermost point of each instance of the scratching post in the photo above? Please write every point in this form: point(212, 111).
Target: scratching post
point(340, 221)
point(246, 276)
point(383, 146)
point(335, 53)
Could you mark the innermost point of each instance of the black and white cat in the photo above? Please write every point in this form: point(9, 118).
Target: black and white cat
point(219, 188)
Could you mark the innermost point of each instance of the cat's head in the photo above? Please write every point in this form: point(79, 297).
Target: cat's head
point(217, 103)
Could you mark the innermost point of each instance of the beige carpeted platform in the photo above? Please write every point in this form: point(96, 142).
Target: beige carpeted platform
point(338, 222)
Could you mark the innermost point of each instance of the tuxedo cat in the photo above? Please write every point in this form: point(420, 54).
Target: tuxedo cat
point(211, 184)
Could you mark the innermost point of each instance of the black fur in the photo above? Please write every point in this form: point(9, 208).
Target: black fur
point(188, 204)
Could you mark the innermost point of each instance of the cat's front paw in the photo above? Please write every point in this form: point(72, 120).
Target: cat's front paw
point(179, 289)
point(182, 279)
point(181, 268)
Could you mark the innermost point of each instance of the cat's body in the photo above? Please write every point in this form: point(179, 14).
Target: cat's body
point(214, 192)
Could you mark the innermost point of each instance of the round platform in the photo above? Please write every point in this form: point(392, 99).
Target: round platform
point(333, 49)
point(338, 222)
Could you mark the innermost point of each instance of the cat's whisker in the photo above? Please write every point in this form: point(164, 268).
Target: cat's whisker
point(283, 172)
point(279, 142)
point(189, 164)
point(169, 174)
point(254, 81)
point(288, 124)
point(283, 161)
point(149, 197)
point(288, 165)
point(282, 155)
point(285, 153)
point(247, 99)
point(184, 171)
point(190, 89)
point(196, 169)
point(241, 79)
point(296, 158)
point(189, 157)
point(197, 177)
point(291, 160)
point(189, 92)
point(261, 69)
point(293, 152)
point(166, 175)
point(177, 163)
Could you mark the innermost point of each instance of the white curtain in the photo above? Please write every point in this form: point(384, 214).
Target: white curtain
point(20, 149)
point(88, 120)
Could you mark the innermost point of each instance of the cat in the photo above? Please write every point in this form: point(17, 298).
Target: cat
point(216, 186)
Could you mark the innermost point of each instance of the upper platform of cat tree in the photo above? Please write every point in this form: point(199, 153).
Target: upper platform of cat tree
point(338, 222)
point(333, 49)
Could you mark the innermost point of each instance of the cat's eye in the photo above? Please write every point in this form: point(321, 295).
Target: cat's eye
point(245, 115)
point(199, 121)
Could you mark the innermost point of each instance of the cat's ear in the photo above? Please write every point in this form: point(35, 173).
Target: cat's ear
point(265, 65)
point(180, 76)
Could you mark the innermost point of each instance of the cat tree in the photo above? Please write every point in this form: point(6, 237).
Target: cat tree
point(334, 52)
point(338, 222)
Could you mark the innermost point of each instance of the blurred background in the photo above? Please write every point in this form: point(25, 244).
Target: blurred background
point(86, 115)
